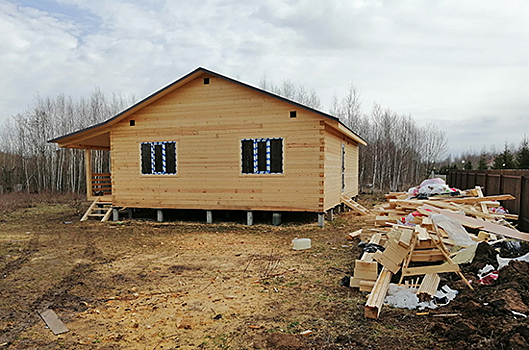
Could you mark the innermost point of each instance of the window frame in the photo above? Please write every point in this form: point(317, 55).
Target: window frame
point(257, 160)
point(153, 158)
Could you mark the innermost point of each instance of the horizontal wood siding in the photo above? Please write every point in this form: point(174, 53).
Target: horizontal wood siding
point(333, 167)
point(208, 122)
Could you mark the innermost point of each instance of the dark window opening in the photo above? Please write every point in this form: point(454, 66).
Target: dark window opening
point(146, 158)
point(170, 158)
point(206, 81)
point(247, 157)
point(262, 156)
point(158, 157)
point(293, 114)
point(276, 155)
point(132, 122)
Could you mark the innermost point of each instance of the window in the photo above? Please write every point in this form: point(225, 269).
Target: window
point(262, 156)
point(158, 158)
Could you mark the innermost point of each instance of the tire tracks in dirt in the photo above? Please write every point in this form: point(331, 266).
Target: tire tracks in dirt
point(57, 296)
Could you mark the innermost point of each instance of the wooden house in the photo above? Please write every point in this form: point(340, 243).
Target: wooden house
point(210, 142)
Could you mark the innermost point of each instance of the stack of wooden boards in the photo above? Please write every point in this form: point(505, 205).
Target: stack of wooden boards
point(422, 242)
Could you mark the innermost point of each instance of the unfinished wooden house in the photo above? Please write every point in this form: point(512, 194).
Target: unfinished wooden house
point(210, 142)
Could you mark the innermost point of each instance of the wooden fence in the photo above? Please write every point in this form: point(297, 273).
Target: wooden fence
point(514, 182)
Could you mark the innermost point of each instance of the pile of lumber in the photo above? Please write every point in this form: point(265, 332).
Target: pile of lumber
point(473, 210)
point(417, 248)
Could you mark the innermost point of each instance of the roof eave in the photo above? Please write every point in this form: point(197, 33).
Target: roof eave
point(73, 137)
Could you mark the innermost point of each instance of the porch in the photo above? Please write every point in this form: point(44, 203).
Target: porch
point(98, 184)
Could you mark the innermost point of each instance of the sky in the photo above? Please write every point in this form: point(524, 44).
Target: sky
point(460, 65)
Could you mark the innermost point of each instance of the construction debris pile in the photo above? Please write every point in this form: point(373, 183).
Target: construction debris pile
point(416, 236)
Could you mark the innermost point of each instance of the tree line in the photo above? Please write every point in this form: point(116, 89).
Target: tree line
point(400, 152)
point(29, 162)
point(510, 157)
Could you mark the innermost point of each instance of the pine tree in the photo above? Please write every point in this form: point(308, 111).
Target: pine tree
point(522, 157)
point(505, 160)
point(482, 165)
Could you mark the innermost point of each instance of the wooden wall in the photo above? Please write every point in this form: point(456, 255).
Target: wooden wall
point(333, 167)
point(208, 123)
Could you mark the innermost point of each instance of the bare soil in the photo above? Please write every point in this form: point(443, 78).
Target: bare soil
point(139, 284)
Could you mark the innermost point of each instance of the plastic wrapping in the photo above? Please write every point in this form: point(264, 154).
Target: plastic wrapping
point(502, 262)
point(430, 187)
point(454, 229)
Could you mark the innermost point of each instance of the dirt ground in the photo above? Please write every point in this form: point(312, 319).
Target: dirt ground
point(139, 284)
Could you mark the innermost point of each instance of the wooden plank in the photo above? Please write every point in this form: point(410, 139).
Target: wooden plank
point(488, 226)
point(405, 238)
point(354, 234)
point(427, 255)
point(471, 200)
point(422, 234)
point(366, 286)
point(424, 270)
point(52, 321)
point(386, 262)
point(455, 207)
point(90, 208)
point(428, 287)
point(377, 295)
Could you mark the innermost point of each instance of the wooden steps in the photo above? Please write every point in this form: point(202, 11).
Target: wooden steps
point(98, 209)
point(353, 205)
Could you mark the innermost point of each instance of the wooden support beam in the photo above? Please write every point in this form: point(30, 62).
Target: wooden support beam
point(88, 172)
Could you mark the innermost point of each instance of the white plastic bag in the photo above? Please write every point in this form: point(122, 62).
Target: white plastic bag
point(454, 229)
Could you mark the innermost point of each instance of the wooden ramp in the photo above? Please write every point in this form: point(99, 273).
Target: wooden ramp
point(354, 206)
point(98, 209)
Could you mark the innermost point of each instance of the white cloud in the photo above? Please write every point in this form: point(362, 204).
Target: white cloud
point(448, 61)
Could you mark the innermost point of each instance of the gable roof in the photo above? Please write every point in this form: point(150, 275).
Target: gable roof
point(69, 138)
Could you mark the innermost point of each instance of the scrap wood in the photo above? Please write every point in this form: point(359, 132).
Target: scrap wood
point(443, 250)
point(365, 268)
point(396, 195)
point(392, 257)
point(376, 298)
point(428, 286)
point(471, 200)
point(466, 210)
point(424, 270)
point(354, 235)
point(484, 207)
point(354, 205)
point(488, 226)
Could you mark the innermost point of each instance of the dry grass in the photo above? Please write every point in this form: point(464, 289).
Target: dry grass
point(13, 201)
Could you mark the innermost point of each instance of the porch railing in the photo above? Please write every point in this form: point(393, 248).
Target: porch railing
point(101, 184)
